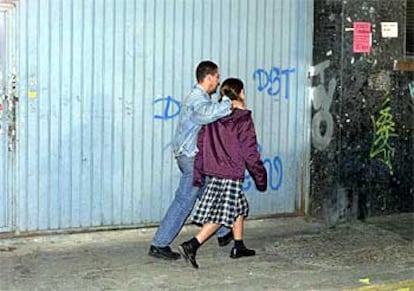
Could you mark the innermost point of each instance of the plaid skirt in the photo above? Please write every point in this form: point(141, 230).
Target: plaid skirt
point(222, 202)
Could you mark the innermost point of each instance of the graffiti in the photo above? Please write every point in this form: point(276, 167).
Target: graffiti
point(274, 169)
point(9, 109)
point(172, 108)
point(380, 81)
point(411, 89)
point(272, 81)
point(322, 121)
point(384, 128)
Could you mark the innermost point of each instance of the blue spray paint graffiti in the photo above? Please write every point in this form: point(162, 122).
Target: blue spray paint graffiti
point(170, 111)
point(272, 80)
point(274, 169)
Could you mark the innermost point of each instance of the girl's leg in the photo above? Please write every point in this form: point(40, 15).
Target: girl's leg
point(206, 231)
point(239, 250)
point(238, 228)
point(189, 248)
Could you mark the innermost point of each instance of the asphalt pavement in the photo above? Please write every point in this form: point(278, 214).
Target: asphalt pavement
point(293, 253)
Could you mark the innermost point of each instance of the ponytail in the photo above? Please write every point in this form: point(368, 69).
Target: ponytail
point(231, 88)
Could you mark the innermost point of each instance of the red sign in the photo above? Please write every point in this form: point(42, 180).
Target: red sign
point(362, 37)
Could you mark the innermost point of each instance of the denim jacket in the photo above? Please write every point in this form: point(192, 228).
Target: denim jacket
point(197, 109)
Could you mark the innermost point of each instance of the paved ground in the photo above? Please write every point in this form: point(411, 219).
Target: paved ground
point(292, 254)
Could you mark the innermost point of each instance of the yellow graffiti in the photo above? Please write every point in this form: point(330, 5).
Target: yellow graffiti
point(384, 128)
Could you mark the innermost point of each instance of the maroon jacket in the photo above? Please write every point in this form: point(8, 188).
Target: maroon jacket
point(227, 147)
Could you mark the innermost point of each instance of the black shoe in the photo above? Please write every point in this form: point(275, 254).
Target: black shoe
point(189, 253)
point(163, 253)
point(238, 253)
point(225, 240)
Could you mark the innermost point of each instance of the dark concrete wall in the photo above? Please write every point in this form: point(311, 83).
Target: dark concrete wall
point(362, 120)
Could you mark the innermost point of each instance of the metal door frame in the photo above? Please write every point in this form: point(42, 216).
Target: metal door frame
point(8, 101)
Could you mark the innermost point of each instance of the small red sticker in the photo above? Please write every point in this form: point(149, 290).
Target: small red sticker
point(362, 37)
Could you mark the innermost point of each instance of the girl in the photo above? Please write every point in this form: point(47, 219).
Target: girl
point(226, 148)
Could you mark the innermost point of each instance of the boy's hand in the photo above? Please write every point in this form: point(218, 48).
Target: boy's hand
point(238, 104)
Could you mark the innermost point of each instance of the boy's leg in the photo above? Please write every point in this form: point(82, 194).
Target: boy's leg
point(224, 236)
point(177, 213)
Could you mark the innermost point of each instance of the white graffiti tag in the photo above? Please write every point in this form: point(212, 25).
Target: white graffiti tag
point(322, 121)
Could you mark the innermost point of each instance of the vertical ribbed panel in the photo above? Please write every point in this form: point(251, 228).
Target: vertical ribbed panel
point(8, 99)
point(4, 205)
point(100, 84)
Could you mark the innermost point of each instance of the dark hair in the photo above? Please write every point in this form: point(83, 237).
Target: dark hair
point(205, 68)
point(231, 88)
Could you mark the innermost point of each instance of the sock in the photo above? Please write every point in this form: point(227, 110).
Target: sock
point(194, 243)
point(238, 244)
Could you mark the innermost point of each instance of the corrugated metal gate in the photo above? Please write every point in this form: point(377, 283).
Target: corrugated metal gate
point(100, 84)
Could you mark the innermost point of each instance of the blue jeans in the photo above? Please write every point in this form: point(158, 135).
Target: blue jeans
point(185, 197)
